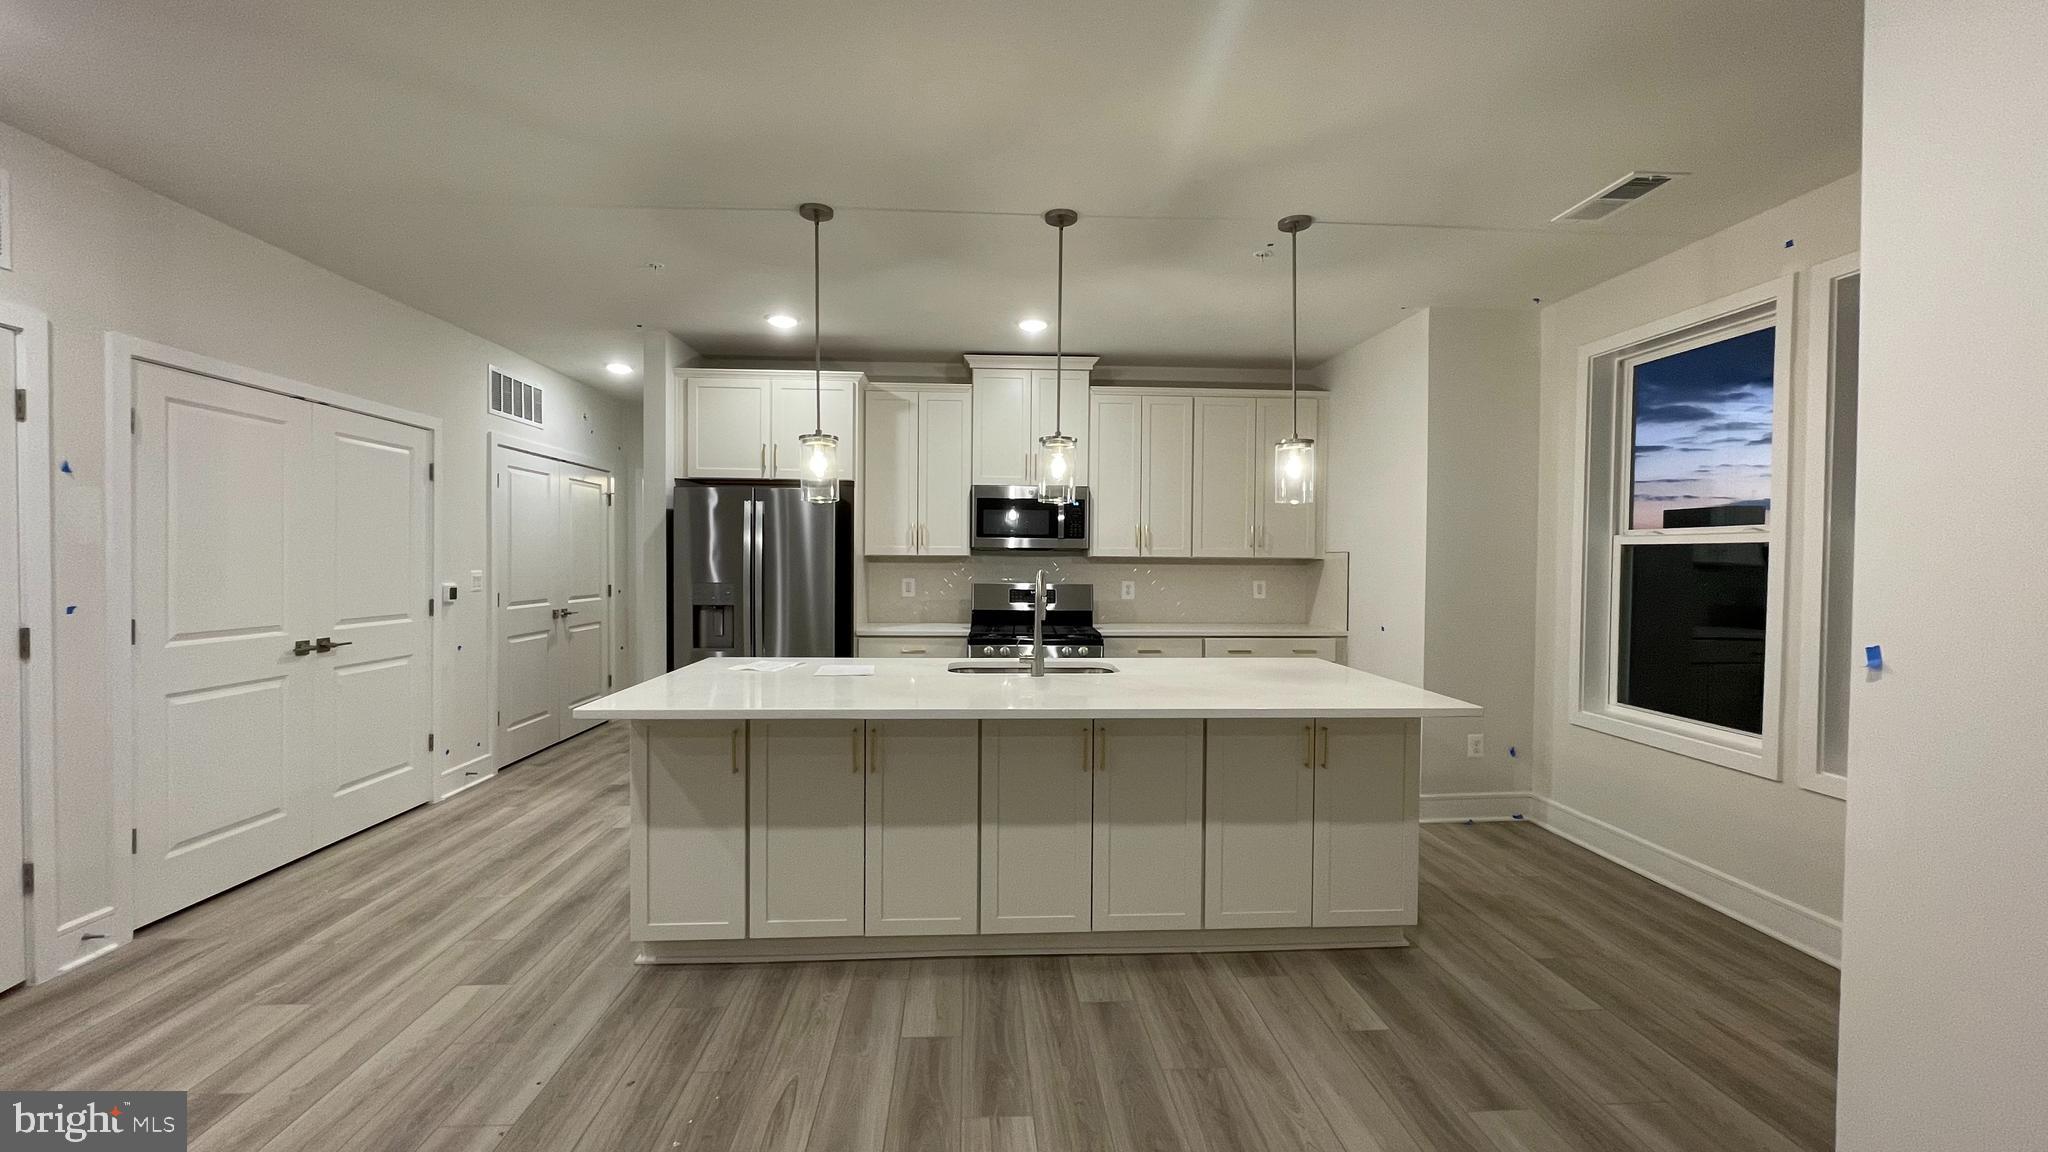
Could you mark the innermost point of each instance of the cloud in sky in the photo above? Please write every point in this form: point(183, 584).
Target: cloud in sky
point(1715, 402)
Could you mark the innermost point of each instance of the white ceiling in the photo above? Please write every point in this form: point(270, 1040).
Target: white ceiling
point(513, 165)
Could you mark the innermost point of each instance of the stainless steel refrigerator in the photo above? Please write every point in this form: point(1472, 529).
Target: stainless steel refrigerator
point(756, 570)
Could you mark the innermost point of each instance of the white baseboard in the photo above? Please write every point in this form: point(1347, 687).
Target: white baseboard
point(1814, 933)
point(1458, 807)
point(454, 780)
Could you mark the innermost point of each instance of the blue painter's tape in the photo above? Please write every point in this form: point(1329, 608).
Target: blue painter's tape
point(64, 467)
point(70, 608)
point(1873, 656)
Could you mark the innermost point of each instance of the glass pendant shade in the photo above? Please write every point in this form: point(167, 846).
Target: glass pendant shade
point(819, 452)
point(1056, 459)
point(1294, 471)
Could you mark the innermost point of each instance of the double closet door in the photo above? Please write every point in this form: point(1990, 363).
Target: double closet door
point(283, 651)
point(551, 550)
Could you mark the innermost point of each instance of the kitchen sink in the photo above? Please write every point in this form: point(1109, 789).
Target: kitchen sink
point(1014, 668)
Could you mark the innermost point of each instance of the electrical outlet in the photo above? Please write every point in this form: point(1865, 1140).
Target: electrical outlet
point(1128, 589)
point(909, 587)
point(1475, 744)
point(1258, 589)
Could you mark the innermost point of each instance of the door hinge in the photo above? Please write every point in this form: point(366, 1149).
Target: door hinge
point(133, 837)
point(607, 589)
point(607, 679)
point(430, 741)
point(28, 877)
point(430, 605)
point(21, 405)
point(131, 630)
point(501, 719)
point(430, 471)
point(607, 499)
point(21, 635)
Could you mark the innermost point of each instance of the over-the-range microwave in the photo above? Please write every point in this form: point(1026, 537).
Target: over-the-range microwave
point(1011, 517)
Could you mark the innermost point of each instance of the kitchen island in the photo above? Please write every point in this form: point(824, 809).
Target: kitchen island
point(1167, 805)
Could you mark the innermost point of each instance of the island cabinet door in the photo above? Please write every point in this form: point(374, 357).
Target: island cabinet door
point(1036, 779)
point(923, 836)
point(805, 820)
point(1259, 831)
point(1366, 833)
point(1148, 825)
point(689, 841)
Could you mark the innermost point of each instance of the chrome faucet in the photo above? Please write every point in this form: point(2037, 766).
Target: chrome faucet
point(1036, 661)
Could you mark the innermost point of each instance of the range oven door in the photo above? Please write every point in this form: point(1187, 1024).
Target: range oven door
point(1010, 518)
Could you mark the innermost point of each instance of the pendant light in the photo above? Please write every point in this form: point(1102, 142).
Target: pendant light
point(818, 450)
point(1056, 453)
point(1294, 459)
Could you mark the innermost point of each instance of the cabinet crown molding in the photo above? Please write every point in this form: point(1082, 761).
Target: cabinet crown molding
point(1074, 363)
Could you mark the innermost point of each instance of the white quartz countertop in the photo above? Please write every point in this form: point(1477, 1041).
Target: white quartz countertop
point(911, 689)
point(1121, 630)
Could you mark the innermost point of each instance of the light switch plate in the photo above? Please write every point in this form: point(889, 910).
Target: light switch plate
point(476, 579)
point(909, 587)
point(1258, 589)
point(1128, 589)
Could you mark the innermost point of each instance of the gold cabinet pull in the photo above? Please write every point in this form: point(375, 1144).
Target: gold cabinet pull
point(1326, 745)
point(1308, 748)
point(736, 748)
point(874, 749)
point(855, 732)
point(1101, 749)
point(1087, 749)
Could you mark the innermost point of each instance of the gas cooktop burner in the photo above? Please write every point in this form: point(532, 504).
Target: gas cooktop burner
point(1000, 623)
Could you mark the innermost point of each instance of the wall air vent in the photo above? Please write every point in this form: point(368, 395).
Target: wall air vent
point(515, 399)
point(1616, 196)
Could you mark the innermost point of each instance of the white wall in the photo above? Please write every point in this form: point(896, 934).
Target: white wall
point(1944, 1017)
point(1428, 442)
point(97, 253)
point(1772, 846)
point(661, 462)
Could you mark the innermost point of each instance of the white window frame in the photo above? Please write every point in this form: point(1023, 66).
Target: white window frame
point(1825, 598)
point(1600, 528)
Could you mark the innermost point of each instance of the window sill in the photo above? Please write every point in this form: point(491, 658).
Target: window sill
point(1693, 741)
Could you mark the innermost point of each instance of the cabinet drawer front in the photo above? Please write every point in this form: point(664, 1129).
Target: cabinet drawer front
point(1145, 647)
point(1298, 647)
point(889, 647)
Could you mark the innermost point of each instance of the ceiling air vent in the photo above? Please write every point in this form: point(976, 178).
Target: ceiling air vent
point(1616, 196)
point(515, 399)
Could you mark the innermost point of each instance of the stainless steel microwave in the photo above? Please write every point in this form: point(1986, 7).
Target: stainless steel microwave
point(1010, 517)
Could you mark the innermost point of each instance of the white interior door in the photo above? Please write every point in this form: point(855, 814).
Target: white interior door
point(370, 547)
point(13, 698)
point(224, 587)
point(583, 655)
point(551, 560)
point(525, 509)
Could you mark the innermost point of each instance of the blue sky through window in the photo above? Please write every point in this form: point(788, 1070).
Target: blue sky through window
point(1702, 436)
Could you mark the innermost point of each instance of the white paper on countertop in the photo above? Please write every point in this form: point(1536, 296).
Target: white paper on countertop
point(845, 670)
point(767, 665)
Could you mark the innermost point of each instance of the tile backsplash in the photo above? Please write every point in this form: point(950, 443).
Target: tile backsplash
point(1166, 591)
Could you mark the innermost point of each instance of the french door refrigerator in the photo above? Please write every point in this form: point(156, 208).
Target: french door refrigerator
point(757, 570)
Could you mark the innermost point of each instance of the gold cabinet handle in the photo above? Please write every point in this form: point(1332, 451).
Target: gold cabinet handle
point(856, 749)
point(1087, 749)
point(874, 750)
point(1150, 651)
point(736, 747)
point(1326, 746)
point(775, 458)
point(1308, 747)
point(1304, 652)
point(1238, 651)
point(1101, 749)
point(764, 459)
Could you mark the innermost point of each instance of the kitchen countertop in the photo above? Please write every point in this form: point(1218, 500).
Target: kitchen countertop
point(1120, 630)
point(913, 689)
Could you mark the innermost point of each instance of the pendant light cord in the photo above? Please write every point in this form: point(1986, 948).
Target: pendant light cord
point(817, 332)
point(1294, 328)
point(1059, 317)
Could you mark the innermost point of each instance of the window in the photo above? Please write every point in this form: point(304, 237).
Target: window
point(1826, 648)
point(1684, 490)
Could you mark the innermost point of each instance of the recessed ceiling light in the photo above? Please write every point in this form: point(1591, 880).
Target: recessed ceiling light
point(1033, 326)
point(619, 368)
point(783, 320)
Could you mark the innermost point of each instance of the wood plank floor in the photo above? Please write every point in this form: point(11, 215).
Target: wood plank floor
point(459, 979)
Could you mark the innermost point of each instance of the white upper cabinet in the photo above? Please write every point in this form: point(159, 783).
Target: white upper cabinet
point(1016, 401)
point(797, 409)
point(1115, 514)
point(1287, 531)
point(914, 491)
point(1166, 501)
point(1226, 482)
point(743, 424)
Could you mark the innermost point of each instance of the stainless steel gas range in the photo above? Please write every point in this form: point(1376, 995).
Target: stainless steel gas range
point(1000, 621)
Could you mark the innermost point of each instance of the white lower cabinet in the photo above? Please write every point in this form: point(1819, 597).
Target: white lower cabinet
point(1148, 825)
point(923, 827)
point(689, 845)
point(889, 647)
point(1036, 800)
point(1312, 647)
point(1365, 825)
point(805, 828)
point(1259, 836)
